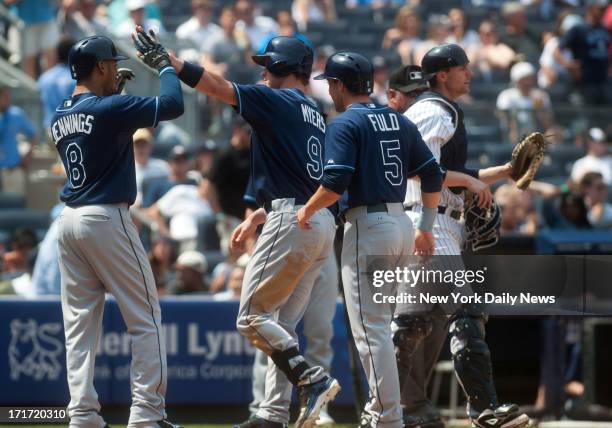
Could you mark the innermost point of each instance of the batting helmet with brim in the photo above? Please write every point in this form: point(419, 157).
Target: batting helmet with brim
point(354, 70)
point(85, 53)
point(443, 57)
point(285, 55)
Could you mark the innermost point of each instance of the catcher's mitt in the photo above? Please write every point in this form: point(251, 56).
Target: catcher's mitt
point(526, 159)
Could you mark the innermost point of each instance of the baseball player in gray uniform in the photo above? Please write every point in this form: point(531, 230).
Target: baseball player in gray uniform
point(318, 330)
point(99, 247)
point(370, 152)
point(440, 122)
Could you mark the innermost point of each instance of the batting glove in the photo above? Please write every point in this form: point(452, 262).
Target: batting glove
point(150, 50)
point(123, 75)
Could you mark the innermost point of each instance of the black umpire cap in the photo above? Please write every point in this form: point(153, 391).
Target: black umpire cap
point(443, 57)
point(408, 78)
point(285, 55)
point(85, 53)
point(354, 70)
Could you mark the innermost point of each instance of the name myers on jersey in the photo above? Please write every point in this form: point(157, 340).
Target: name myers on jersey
point(382, 122)
point(77, 123)
point(313, 117)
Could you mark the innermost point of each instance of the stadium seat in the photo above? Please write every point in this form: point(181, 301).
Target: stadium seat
point(11, 200)
point(15, 218)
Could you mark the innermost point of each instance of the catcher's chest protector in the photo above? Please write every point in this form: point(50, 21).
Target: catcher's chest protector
point(453, 154)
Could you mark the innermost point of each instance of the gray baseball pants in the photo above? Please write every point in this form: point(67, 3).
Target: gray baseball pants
point(99, 252)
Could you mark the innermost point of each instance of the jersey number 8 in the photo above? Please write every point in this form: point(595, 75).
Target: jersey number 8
point(76, 170)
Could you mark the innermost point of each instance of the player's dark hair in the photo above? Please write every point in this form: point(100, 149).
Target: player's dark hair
point(63, 48)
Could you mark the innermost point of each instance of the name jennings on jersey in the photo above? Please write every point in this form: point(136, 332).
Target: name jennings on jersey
point(76, 123)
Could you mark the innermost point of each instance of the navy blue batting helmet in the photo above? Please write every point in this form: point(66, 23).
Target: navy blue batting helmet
point(85, 53)
point(355, 71)
point(286, 55)
point(443, 57)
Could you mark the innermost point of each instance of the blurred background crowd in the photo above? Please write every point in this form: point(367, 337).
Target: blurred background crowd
point(538, 65)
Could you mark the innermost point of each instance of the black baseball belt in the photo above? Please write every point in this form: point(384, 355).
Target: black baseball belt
point(456, 214)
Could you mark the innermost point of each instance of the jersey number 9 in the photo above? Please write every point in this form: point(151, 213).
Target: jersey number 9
point(315, 153)
point(76, 170)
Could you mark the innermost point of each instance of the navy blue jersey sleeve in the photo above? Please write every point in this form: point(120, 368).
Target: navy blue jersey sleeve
point(340, 156)
point(132, 112)
point(568, 39)
point(256, 103)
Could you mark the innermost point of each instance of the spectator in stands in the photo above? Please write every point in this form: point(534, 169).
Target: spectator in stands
point(136, 8)
point(56, 84)
point(204, 157)
point(595, 193)
point(118, 11)
point(573, 211)
point(523, 108)
point(179, 167)
point(199, 28)
point(40, 36)
point(169, 134)
point(377, 4)
point(190, 269)
point(224, 53)
point(520, 37)
point(589, 43)
point(552, 71)
point(227, 180)
point(162, 258)
point(147, 168)
point(381, 74)
point(405, 35)
point(179, 211)
point(460, 32)
point(234, 286)
point(286, 27)
point(46, 273)
point(14, 122)
point(518, 216)
point(490, 58)
point(306, 11)
point(598, 158)
point(78, 19)
point(256, 27)
point(23, 243)
point(319, 88)
point(438, 30)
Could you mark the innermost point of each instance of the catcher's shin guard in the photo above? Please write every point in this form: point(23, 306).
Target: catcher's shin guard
point(472, 361)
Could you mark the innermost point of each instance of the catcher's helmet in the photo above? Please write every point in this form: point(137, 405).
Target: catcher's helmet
point(481, 224)
point(443, 57)
point(286, 55)
point(355, 71)
point(85, 53)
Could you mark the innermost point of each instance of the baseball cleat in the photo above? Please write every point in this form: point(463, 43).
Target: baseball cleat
point(313, 397)
point(324, 418)
point(505, 416)
point(165, 423)
point(365, 420)
point(257, 422)
point(422, 422)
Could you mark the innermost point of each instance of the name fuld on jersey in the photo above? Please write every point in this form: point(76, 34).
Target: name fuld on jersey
point(313, 117)
point(211, 350)
point(77, 123)
point(382, 122)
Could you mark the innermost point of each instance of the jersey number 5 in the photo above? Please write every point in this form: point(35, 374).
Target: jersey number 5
point(392, 164)
point(315, 153)
point(76, 170)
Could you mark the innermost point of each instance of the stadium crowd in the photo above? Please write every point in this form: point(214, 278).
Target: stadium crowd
point(190, 187)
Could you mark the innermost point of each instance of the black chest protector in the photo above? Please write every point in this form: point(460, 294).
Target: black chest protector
point(453, 154)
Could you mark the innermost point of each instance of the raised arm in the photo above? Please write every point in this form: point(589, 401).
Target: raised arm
point(206, 82)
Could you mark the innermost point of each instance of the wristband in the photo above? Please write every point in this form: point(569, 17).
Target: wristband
point(191, 74)
point(427, 219)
